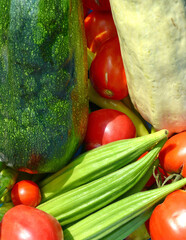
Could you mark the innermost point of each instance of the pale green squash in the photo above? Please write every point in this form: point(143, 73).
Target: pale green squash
point(153, 44)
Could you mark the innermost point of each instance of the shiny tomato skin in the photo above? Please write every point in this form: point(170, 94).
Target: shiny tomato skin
point(168, 220)
point(99, 27)
point(27, 223)
point(97, 5)
point(173, 154)
point(107, 125)
point(107, 73)
point(26, 192)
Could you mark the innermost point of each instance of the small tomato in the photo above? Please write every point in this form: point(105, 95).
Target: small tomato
point(107, 73)
point(26, 192)
point(99, 27)
point(98, 5)
point(107, 125)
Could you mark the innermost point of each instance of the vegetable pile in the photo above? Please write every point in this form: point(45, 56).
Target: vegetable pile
point(127, 177)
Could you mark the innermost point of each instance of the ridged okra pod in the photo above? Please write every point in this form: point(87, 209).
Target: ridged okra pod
point(112, 217)
point(82, 201)
point(98, 162)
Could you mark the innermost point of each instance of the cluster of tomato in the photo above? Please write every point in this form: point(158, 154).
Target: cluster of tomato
point(107, 76)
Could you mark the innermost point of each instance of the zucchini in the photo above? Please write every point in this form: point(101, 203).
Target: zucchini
point(98, 162)
point(43, 83)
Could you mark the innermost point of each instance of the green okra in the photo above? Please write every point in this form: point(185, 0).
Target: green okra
point(82, 201)
point(98, 162)
point(105, 221)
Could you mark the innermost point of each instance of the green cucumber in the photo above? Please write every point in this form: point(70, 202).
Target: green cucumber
point(43, 83)
point(112, 217)
point(82, 201)
point(98, 162)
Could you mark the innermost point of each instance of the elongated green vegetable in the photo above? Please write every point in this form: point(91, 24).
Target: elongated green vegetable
point(141, 184)
point(97, 163)
point(8, 177)
point(128, 228)
point(81, 201)
point(105, 221)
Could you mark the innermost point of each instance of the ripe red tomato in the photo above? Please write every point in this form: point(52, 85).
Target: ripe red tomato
point(173, 154)
point(28, 223)
point(168, 220)
point(107, 125)
point(98, 5)
point(26, 192)
point(107, 72)
point(99, 27)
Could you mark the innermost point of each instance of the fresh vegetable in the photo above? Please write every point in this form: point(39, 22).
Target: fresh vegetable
point(80, 202)
point(99, 27)
point(107, 73)
point(28, 223)
point(26, 192)
point(159, 172)
point(8, 177)
point(107, 125)
point(98, 5)
point(153, 39)
point(140, 233)
point(102, 102)
point(173, 155)
point(102, 223)
point(3, 209)
point(97, 163)
point(43, 90)
point(168, 219)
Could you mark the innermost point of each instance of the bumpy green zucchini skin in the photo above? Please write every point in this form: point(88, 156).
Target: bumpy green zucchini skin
point(43, 83)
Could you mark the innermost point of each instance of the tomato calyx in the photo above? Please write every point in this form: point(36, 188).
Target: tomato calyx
point(162, 180)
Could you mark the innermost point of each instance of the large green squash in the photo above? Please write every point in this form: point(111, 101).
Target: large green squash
point(43, 83)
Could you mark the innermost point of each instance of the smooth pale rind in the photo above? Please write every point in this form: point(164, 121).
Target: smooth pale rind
point(152, 36)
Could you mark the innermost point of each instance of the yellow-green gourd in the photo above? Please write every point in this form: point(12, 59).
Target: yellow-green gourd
point(152, 37)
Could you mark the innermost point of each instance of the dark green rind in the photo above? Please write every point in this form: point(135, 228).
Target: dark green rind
point(43, 83)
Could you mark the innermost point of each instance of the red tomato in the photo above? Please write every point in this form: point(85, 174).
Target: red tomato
point(26, 192)
point(168, 220)
point(107, 125)
point(99, 27)
point(107, 72)
point(28, 223)
point(173, 154)
point(98, 5)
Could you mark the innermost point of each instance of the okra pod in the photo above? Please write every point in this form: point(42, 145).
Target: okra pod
point(84, 200)
point(98, 162)
point(105, 221)
point(125, 230)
